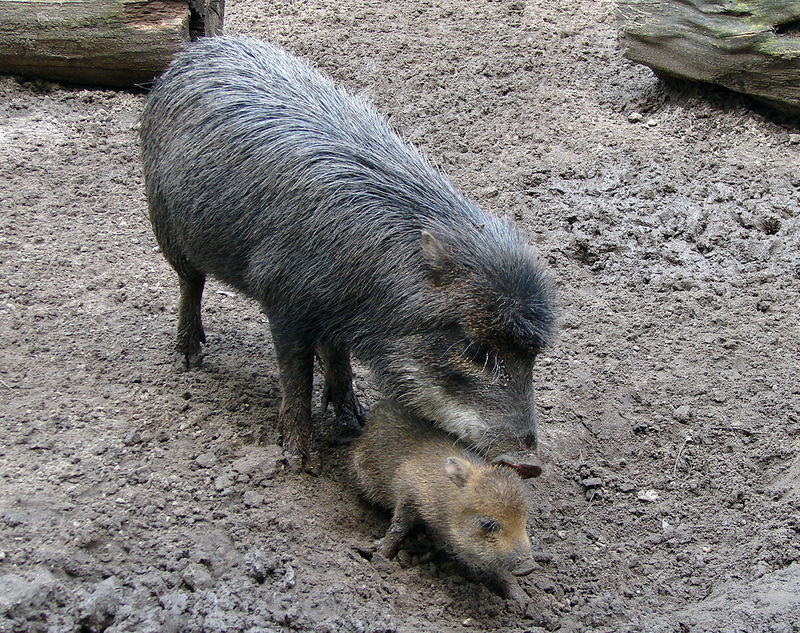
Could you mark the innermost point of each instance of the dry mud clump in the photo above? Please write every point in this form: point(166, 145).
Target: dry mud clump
point(134, 498)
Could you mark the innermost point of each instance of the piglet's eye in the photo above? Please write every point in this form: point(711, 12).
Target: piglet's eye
point(488, 525)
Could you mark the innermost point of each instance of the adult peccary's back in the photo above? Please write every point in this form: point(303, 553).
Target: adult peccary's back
point(261, 173)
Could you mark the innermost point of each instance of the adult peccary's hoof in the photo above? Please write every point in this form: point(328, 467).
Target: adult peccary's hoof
point(187, 362)
point(297, 462)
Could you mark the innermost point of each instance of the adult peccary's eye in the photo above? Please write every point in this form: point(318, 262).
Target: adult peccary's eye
point(481, 357)
point(478, 355)
point(488, 525)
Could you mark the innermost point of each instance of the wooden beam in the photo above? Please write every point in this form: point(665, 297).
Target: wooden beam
point(116, 43)
point(751, 46)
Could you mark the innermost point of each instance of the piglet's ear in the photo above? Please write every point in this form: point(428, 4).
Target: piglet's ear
point(457, 470)
point(439, 260)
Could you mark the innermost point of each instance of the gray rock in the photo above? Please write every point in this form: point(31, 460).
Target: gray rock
point(206, 460)
point(26, 592)
point(682, 413)
point(263, 462)
point(197, 577)
point(252, 499)
point(99, 609)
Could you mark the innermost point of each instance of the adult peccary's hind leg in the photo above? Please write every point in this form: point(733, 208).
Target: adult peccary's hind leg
point(190, 324)
point(339, 389)
point(191, 280)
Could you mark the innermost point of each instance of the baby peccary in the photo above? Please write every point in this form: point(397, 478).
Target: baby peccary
point(477, 510)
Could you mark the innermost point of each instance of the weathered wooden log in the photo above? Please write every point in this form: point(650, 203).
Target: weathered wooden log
point(750, 46)
point(116, 43)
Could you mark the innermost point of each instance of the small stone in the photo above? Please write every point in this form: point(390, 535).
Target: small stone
point(591, 494)
point(222, 482)
point(764, 305)
point(264, 462)
point(469, 622)
point(546, 585)
point(651, 123)
point(683, 413)
point(206, 460)
point(634, 117)
point(244, 465)
point(592, 482)
point(131, 438)
point(258, 565)
point(252, 499)
point(719, 396)
point(99, 610)
point(196, 576)
point(648, 495)
point(626, 486)
point(794, 139)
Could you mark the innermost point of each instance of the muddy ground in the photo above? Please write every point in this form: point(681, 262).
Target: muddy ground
point(133, 497)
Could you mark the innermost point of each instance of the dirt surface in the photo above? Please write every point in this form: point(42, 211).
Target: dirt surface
point(133, 497)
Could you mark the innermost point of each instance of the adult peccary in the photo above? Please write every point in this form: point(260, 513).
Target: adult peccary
point(476, 510)
point(260, 172)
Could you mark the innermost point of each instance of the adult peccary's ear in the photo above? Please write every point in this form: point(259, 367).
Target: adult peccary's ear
point(439, 260)
point(457, 470)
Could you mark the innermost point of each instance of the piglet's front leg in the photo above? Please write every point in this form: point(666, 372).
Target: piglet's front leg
point(403, 520)
point(512, 591)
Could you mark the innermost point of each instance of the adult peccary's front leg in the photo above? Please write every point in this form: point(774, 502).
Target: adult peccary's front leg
point(339, 389)
point(296, 366)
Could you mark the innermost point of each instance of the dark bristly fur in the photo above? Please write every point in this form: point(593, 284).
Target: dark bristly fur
point(260, 172)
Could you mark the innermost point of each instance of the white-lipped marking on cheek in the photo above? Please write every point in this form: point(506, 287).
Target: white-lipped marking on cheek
point(432, 402)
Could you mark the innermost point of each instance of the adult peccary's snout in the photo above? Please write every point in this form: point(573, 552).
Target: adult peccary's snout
point(527, 464)
point(263, 174)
